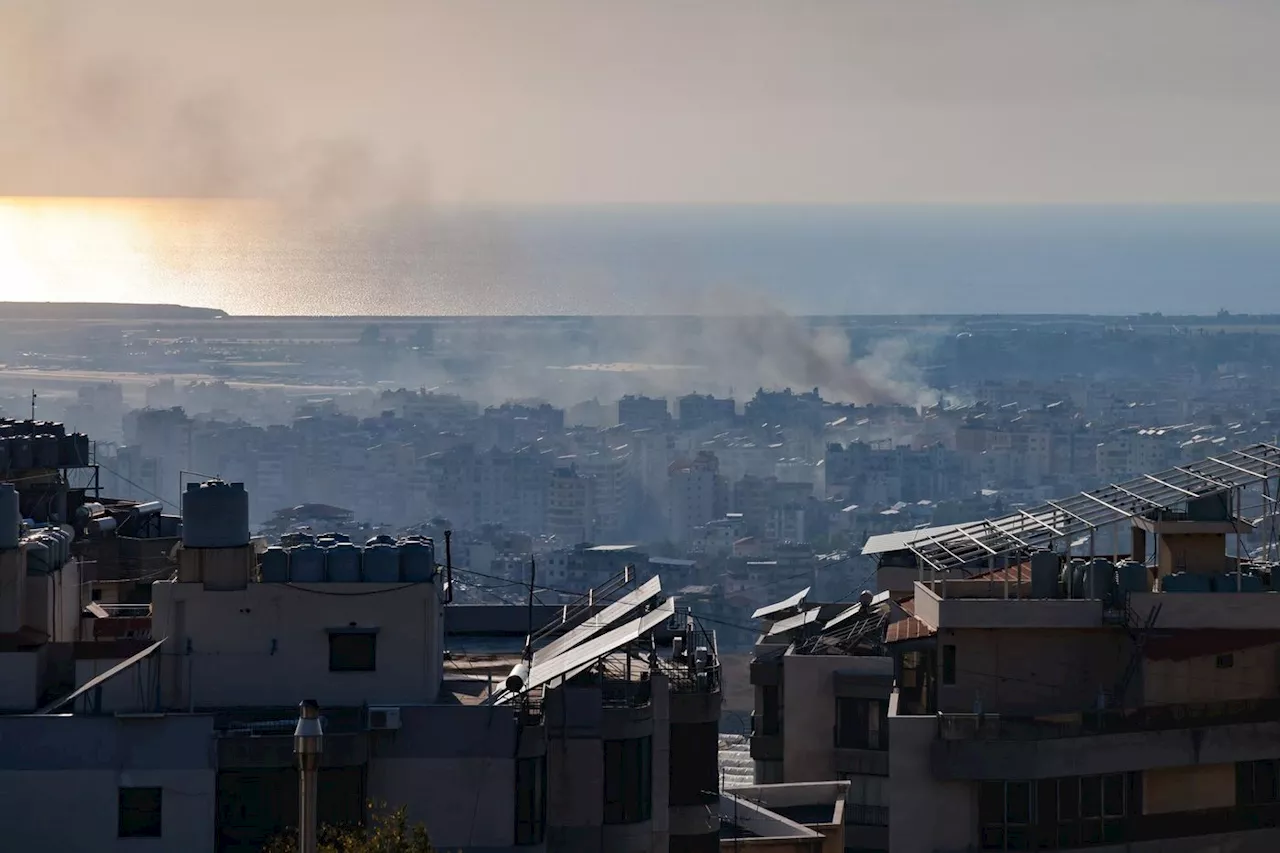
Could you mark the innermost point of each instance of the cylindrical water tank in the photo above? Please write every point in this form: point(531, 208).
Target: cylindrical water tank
point(1076, 589)
point(275, 565)
point(1045, 567)
point(1186, 582)
point(381, 563)
point(338, 537)
point(4, 455)
point(1132, 576)
point(417, 561)
point(39, 555)
point(10, 517)
point(306, 564)
point(1100, 578)
point(1227, 582)
point(215, 515)
point(20, 453)
point(342, 563)
point(45, 451)
point(80, 442)
point(380, 539)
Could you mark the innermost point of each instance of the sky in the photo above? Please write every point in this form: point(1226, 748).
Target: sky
point(581, 102)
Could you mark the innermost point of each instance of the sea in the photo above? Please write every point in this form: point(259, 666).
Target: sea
point(257, 258)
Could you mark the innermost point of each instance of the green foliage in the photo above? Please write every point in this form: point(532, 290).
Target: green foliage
point(387, 832)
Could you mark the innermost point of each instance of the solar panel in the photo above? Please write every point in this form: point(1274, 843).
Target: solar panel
point(597, 623)
point(845, 615)
point(779, 606)
point(574, 658)
point(1086, 511)
point(100, 679)
point(792, 622)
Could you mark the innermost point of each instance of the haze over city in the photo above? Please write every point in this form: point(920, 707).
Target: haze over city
point(604, 426)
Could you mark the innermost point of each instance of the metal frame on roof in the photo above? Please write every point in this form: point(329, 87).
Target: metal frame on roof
point(1085, 512)
point(98, 680)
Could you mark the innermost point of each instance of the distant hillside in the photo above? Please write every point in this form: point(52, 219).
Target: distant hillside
point(103, 311)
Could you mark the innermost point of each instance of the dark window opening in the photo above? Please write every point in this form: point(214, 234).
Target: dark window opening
point(531, 800)
point(1256, 782)
point(1225, 661)
point(862, 724)
point(1073, 811)
point(948, 664)
point(139, 813)
point(353, 651)
point(628, 780)
point(771, 715)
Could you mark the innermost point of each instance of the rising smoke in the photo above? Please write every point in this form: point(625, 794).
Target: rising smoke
point(353, 230)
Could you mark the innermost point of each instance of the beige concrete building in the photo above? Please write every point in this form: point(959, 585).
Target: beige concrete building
point(178, 738)
point(822, 687)
point(1093, 705)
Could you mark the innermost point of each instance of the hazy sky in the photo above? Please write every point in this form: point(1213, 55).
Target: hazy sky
point(601, 101)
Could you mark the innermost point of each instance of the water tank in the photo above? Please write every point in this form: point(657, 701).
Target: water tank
point(306, 564)
point(417, 561)
point(39, 555)
point(80, 443)
point(20, 453)
point(275, 565)
point(1076, 589)
point(215, 515)
point(1099, 579)
point(381, 563)
point(342, 563)
point(4, 455)
point(1186, 582)
point(1132, 576)
point(1045, 567)
point(44, 451)
point(338, 537)
point(380, 539)
point(10, 517)
point(1226, 582)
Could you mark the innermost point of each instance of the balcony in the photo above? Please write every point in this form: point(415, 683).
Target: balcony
point(766, 739)
point(994, 747)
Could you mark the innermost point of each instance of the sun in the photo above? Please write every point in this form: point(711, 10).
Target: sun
point(74, 250)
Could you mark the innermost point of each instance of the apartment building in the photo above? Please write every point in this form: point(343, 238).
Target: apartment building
point(1044, 702)
point(822, 685)
point(178, 736)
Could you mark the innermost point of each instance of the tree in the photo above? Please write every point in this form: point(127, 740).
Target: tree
point(387, 832)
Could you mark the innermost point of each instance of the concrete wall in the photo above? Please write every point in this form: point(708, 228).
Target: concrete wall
point(1028, 671)
point(131, 691)
point(1116, 753)
point(268, 644)
point(926, 814)
point(453, 769)
point(60, 780)
point(1252, 675)
point(1229, 610)
point(1184, 789)
point(20, 680)
point(809, 719)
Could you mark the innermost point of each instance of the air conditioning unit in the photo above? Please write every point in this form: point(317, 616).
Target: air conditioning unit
point(384, 719)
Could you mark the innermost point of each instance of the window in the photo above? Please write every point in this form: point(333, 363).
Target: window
point(1256, 782)
point(862, 724)
point(139, 813)
point(628, 780)
point(770, 717)
point(948, 664)
point(1073, 811)
point(531, 800)
point(1225, 661)
point(353, 651)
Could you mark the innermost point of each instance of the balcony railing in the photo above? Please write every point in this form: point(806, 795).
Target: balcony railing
point(1112, 721)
